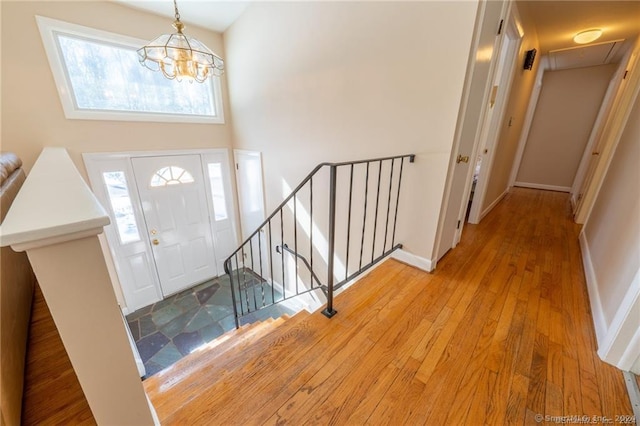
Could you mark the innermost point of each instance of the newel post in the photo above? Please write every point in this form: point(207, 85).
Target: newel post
point(329, 311)
point(56, 219)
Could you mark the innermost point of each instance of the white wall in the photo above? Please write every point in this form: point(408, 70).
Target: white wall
point(610, 243)
point(568, 105)
point(327, 81)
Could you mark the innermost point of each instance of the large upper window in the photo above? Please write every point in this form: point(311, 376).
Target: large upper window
point(99, 78)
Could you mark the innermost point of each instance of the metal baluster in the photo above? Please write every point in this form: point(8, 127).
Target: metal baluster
point(244, 280)
point(329, 311)
point(346, 263)
point(273, 295)
point(228, 267)
point(284, 286)
point(239, 285)
point(395, 217)
point(386, 227)
point(253, 274)
point(364, 219)
point(295, 237)
point(261, 272)
point(375, 218)
point(311, 226)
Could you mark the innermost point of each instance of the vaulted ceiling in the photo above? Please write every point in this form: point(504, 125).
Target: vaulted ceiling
point(213, 15)
point(556, 21)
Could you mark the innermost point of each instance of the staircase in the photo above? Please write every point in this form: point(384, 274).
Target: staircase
point(249, 374)
point(263, 363)
point(342, 215)
point(207, 369)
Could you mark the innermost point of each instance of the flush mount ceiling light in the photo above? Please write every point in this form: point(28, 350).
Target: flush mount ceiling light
point(179, 56)
point(584, 37)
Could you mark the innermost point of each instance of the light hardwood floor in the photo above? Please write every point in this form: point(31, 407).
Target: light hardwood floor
point(52, 394)
point(501, 333)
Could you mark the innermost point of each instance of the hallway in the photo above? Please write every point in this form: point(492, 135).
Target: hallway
point(500, 333)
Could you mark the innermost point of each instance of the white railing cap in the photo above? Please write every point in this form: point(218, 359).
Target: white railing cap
point(54, 205)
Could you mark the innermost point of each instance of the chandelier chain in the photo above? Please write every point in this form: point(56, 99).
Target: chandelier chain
point(175, 6)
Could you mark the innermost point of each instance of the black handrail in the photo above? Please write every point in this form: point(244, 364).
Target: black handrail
point(251, 282)
point(286, 248)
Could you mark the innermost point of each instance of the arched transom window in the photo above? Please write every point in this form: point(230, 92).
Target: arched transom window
point(172, 175)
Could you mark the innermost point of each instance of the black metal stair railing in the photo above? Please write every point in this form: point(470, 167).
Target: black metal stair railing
point(370, 187)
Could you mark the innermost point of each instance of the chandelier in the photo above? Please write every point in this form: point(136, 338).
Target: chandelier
point(179, 56)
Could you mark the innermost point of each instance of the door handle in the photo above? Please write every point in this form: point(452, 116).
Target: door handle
point(462, 159)
point(155, 242)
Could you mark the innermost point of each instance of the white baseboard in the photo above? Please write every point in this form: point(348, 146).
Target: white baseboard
point(618, 342)
point(621, 346)
point(413, 260)
point(599, 320)
point(543, 186)
point(493, 204)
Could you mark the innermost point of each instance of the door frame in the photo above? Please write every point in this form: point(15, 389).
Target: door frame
point(92, 162)
point(467, 114)
point(609, 136)
point(508, 62)
point(592, 144)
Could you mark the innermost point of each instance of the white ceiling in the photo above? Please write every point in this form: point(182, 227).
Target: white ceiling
point(213, 15)
point(585, 56)
point(558, 21)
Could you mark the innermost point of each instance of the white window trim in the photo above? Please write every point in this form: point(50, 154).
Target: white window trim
point(48, 27)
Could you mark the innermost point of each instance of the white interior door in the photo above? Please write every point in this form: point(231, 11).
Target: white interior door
point(470, 124)
point(252, 211)
point(494, 118)
point(173, 196)
point(250, 190)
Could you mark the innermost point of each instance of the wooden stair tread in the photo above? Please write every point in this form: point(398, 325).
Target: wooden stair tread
point(275, 348)
point(235, 340)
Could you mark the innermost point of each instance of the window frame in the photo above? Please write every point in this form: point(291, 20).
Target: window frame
point(50, 27)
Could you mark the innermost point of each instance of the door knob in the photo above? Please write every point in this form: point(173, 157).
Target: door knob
point(462, 159)
point(153, 232)
point(155, 242)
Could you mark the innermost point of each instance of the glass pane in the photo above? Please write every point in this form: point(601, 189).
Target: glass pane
point(108, 77)
point(118, 191)
point(217, 191)
point(171, 175)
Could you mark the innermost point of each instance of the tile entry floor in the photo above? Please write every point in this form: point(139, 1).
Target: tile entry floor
point(172, 328)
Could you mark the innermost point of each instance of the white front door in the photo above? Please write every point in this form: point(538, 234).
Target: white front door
point(174, 203)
